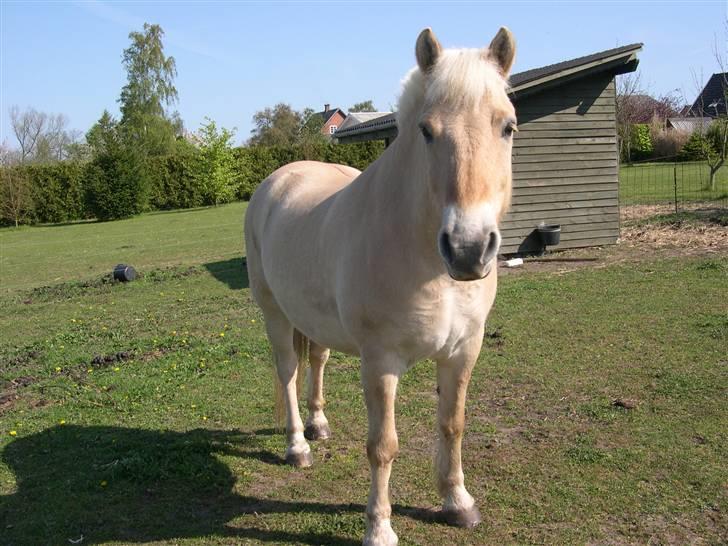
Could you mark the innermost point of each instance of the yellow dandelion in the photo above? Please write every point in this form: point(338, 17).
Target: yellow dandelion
point(174, 332)
point(90, 370)
point(73, 320)
point(117, 369)
point(104, 483)
point(204, 417)
point(58, 368)
point(62, 422)
point(253, 321)
point(193, 406)
point(202, 364)
point(104, 328)
point(222, 334)
point(13, 433)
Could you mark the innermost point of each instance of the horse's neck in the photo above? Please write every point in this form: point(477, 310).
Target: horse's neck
point(403, 194)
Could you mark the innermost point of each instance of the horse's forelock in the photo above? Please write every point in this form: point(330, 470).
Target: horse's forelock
point(461, 79)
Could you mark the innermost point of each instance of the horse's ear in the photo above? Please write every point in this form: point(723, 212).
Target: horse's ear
point(427, 50)
point(502, 50)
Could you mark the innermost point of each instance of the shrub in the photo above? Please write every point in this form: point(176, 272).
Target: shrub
point(172, 181)
point(117, 183)
point(669, 142)
point(58, 191)
point(641, 141)
point(696, 148)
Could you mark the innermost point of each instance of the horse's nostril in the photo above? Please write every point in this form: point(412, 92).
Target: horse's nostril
point(493, 243)
point(445, 247)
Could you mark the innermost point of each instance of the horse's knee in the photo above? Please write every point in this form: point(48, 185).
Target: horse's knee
point(452, 429)
point(382, 450)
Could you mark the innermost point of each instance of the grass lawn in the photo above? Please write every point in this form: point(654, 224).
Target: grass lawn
point(650, 183)
point(142, 412)
point(38, 256)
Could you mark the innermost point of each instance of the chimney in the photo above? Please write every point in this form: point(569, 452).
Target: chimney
point(327, 107)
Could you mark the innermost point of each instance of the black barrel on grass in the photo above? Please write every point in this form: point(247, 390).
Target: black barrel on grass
point(124, 273)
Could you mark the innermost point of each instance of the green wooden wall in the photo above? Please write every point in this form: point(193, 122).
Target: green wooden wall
point(565, 166)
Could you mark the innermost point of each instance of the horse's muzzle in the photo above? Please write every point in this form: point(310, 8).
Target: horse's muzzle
point(469, 260)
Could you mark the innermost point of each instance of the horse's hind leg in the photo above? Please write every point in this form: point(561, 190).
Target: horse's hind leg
point(280, 334)
point(317, 426)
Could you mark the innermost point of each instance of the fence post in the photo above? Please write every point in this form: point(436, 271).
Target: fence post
point(674, 180)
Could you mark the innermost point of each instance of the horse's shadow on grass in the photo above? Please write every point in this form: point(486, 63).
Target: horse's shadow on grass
point(232, 272)
point(132, 485)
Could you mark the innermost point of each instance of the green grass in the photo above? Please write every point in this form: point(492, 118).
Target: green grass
point(135, 420)
point(37, 256)
point(654, 183)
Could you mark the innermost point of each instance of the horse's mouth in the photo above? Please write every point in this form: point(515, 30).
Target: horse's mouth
point(474, 275)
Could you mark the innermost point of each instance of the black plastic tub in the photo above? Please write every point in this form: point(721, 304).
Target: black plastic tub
point(124, 273)
point(550, 234)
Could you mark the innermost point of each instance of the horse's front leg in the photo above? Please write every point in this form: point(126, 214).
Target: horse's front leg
point(380, 376)
point(453, 376)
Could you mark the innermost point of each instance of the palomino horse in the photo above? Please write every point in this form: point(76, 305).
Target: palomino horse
point(395, 264)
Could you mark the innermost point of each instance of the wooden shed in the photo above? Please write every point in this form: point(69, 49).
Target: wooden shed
point(565, 155)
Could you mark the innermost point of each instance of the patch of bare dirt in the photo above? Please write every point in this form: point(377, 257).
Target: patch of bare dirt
point(638, 242)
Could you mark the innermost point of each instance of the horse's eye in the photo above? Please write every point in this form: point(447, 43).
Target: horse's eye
point(509, 129)
point(426, 133)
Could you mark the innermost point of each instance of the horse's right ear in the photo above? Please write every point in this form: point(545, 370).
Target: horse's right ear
point(427, 50)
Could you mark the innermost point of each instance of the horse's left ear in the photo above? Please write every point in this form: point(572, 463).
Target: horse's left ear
point(502, 50)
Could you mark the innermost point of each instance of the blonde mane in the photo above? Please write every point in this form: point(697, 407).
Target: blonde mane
point(461, 79)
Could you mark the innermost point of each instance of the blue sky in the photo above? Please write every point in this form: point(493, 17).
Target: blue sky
point(234, 58)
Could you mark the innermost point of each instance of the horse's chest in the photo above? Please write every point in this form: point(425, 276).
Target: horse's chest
point(434, 321)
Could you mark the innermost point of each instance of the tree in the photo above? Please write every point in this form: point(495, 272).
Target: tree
point(365, 106)
point(215, 164)
point(717, 149)
point(634, 105)
point(277, 126)
point(27, 127)
point(16, 199)
point(117, 178)
point(149, 89)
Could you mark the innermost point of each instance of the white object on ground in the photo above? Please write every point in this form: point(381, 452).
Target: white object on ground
point(514, 262)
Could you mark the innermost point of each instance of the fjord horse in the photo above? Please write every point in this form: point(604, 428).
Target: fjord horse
point(395, 264)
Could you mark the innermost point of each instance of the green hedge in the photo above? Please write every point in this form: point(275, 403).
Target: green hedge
point(114, 185)
point(57, 191)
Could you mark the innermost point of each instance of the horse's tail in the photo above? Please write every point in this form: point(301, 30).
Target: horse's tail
point(302, 347)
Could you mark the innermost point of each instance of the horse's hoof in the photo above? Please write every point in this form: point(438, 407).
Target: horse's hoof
point(463, 518)
point(299, 460)
point(317, 432)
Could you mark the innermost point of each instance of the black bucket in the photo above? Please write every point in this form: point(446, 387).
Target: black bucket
point(124, 273)
point(550, 234)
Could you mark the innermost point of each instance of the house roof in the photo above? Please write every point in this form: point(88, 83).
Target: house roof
point(326, 114)
point(618, 59)
point(711, 101)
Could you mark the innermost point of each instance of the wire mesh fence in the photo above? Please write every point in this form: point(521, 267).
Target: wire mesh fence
point(672, 185)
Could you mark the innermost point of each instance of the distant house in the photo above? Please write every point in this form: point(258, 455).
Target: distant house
point(331, 119)
point(711, 102)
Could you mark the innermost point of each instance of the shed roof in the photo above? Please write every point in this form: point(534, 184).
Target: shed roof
point(355, 118)
point(689, 124)
point(620, 59)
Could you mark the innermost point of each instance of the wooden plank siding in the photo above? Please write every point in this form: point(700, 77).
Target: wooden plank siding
point(565, 166)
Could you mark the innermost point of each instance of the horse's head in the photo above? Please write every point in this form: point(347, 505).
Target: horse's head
point(466, 121)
